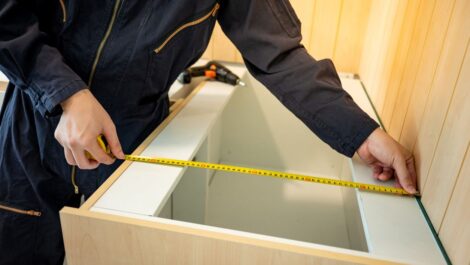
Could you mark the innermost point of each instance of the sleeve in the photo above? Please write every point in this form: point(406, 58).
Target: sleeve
point(29, 60)
point(267, 32)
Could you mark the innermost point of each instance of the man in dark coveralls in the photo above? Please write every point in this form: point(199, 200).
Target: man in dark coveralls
point(82, 68)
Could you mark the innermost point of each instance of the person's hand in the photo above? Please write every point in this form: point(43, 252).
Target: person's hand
point(82, 121)
point(389, 159)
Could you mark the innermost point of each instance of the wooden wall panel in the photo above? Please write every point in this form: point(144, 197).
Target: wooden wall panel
point(380, 46)
point(412, 64)
point(330, 28)
point(325, 28)
point(450, 151)
point(350, 36)
point(398, 68)
point(432, 51)
point(305, 10)
point(447, 73)
point(427, 103)
point(455, 231)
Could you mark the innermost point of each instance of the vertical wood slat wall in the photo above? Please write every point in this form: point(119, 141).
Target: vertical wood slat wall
point(330, 29)
point(422, 92)
point(414, 58)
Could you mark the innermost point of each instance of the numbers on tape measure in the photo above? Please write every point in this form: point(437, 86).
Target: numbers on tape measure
point(268, 173)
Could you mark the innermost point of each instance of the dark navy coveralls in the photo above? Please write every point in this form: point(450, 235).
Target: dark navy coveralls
point(50, 49)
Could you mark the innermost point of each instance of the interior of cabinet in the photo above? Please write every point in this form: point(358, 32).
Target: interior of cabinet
point(254, 131)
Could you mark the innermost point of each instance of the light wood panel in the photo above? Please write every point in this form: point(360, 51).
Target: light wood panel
point(450, 151)
point(325, 28)
point(398, 68)
point(352, 27)
point(455, 231)
point(304, 10)
point(97, 238)
point(425, 76)
point(412, 64)
point(380, 47)
point(447, 74)
point(424, 100)
point(330, 28)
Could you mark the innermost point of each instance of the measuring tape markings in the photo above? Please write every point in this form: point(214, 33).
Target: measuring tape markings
point(252, 171)
point(266, 173)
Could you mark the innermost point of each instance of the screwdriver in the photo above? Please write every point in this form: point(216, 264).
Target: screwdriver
point(213, 70)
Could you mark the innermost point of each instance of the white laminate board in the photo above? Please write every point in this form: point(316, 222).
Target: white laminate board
point(144, 188)
point(391, 222)
point(3, 78)
point(395, 222)
point(2, 95)
point(309, 212)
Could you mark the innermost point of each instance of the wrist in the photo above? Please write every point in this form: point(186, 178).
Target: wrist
point(75, 98)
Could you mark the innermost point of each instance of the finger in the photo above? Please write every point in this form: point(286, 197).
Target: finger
point(69, 157)
point(113, 141)
point(404, 177)
point(376, 171)
point(386, 174)
point(99, 154)
point(82, 161)
point(397, 182)
point(410, 164)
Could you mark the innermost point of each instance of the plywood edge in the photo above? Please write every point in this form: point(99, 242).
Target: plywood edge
point(3, 86)
point(175, 109)
point(70, 216)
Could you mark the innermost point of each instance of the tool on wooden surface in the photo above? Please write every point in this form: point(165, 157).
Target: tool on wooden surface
point(253, 171)
point(213, 70)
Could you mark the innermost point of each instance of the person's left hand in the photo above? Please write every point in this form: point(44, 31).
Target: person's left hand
point(389, 159)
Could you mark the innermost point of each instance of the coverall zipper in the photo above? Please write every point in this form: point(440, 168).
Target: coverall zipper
point(213, 12)
point(93, 70)
point(20, 211)
point(103, 41)
point(64, 11)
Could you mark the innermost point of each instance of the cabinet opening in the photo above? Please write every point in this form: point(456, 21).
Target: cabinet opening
point(255, 131)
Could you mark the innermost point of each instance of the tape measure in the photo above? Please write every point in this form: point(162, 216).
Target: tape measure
point(258, 172)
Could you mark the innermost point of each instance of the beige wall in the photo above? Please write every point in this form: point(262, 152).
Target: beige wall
point(413, 56)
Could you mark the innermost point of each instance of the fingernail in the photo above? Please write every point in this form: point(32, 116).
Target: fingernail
point(412, 190)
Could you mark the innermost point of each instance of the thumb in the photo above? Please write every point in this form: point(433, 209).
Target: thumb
point(110, 134)
point(404, 176)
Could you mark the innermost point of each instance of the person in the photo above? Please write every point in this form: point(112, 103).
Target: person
point(78, 69)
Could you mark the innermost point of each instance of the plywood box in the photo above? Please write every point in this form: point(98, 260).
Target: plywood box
point(153, 214)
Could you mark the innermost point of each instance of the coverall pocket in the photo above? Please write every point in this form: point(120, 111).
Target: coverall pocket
point(192, 23)
point(18, 237)
point(18, 210)
point(286, 16)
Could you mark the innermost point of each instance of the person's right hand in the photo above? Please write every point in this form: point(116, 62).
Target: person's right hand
point(82, 121)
